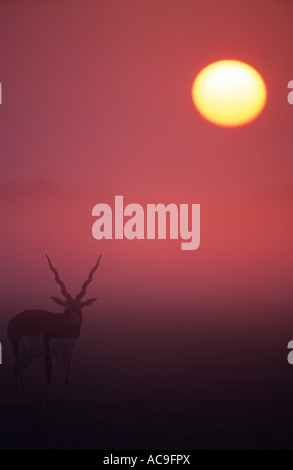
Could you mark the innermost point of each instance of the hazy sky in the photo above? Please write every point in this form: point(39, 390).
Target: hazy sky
point(97, 103)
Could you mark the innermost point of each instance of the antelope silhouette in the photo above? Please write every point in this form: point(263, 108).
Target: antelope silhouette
point(36, 333)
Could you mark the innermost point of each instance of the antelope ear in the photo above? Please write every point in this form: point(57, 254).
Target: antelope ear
point(87, 302)
point(58, 301)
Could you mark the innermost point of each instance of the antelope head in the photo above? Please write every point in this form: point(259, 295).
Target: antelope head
point(72, 306)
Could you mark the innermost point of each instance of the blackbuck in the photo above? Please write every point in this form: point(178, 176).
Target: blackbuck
point(36, 333)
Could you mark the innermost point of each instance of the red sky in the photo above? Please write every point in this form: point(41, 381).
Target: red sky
point(97, 103)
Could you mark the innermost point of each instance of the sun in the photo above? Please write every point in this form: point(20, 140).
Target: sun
point(229, 93)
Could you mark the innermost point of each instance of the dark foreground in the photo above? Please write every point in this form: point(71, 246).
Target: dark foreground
point(193, 407)
point(149, 387)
